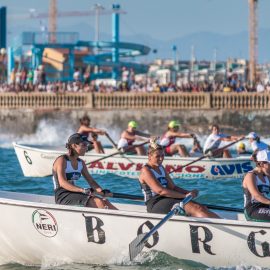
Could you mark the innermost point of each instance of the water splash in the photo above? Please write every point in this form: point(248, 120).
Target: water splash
point(48, 132)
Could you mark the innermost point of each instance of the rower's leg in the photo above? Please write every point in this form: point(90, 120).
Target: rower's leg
point(96, 202)
point(98, 147)
point(197, 210)
point(140, 150)
point(181, 149)
point(226, 153)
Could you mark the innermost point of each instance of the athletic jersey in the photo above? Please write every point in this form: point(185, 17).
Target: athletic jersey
point(161, 178)
point(85, 133)
point(263, 188)
point(167, 141)
point(213, 141)
point(72, 175)
point(259, 146)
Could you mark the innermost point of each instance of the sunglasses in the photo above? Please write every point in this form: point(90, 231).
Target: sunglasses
point(83, 144)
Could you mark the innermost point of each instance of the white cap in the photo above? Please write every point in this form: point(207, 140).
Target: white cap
point(252, 135)
point(263, 156)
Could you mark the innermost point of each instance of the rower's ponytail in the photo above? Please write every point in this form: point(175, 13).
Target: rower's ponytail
point(71, 151)
point(154, 146)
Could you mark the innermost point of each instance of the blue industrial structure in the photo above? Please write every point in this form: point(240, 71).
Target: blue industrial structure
point(3, 27)
point(113, 61)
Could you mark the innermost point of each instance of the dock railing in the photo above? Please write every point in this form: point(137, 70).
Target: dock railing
point(189, 101)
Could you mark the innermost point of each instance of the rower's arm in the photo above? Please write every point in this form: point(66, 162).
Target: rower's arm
point(249, 183)
point(181, 134)
point(149, 179)
point(59, 168)
point(91, 130)
point(142, 134)
point(90, 179)
point(231, 138)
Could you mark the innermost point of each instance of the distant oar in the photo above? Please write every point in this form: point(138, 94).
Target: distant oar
point(111, 140)
point(211, 206)
point(136, 246)
point(115, 146)
point(118, 152)
point(210, 154)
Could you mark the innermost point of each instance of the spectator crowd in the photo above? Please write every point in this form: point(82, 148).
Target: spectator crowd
point(23, 80)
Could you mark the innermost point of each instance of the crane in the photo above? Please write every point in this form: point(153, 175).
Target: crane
point(98, 10)
point(253, 40)
point(54, 14)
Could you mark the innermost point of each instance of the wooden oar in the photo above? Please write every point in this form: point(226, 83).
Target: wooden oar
point(115, 146)
point(210, 154)
point(136, 246)
point(117, 152)
point(111, 140)
point(211, 206)
point(226, 146)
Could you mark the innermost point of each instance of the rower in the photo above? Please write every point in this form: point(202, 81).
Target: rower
point(169, 137)
point(241, 149)
point(86, 130)
point(196, 150)
point(130, 135)
point(256, 185)
point(214, 140)
point(256, 143)
point(160, 192)
point(68, 168)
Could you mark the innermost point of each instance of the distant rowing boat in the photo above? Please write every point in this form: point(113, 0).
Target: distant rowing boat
point(37, 161)
point(34, 231)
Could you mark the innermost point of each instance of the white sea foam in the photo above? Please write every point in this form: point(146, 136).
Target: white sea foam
point(55, 132)
point(48, 132)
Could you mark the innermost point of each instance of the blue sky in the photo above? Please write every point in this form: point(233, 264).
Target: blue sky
point(207, 24)
point(159, 19)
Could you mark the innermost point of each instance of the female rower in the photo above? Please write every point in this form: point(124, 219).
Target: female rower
point(85, 130)
point(130, 135)
point(214, 140)
point(256, 143)
point(168, 140)
point(241, 149)
point(196, 150)
point(160, 193)
point(256, 185)
point(68, 168)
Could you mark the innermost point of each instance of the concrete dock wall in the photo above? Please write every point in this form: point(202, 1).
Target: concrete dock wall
point(25, 121)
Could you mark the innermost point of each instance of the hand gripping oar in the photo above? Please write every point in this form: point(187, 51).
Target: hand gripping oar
point(115, 146)
point(210, 206)
point(117, 152)
point(210, 154)
point(136, 246)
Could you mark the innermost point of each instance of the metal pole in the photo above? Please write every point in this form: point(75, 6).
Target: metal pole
point(98, 8)
point(115, 39)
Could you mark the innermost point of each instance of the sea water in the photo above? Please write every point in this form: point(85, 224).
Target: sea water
point(225, 193)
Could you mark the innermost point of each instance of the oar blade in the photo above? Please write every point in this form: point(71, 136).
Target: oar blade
point(136, 246)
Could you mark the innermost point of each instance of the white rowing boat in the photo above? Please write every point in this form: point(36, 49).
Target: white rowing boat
point(34, 230)
point(37, 161)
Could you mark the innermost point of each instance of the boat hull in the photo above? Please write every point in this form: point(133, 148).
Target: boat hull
point(37, 162)
point(36, 231)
